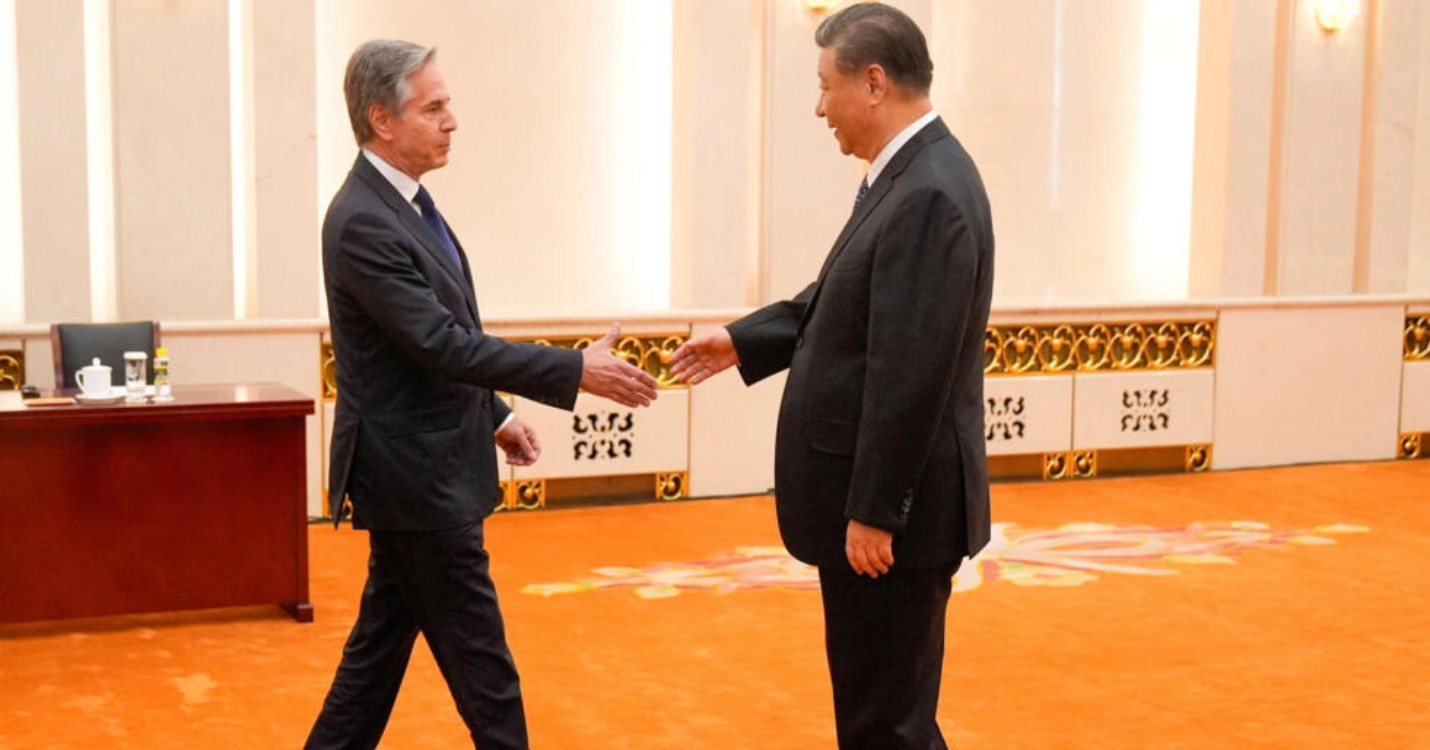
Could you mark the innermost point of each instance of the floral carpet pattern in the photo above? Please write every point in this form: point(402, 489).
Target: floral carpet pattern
point(1069, 555)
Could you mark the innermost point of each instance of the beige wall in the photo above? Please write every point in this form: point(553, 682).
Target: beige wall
point(1311, 171)
point(1312, 158)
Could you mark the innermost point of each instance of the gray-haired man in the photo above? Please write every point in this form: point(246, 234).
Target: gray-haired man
point(416, 424)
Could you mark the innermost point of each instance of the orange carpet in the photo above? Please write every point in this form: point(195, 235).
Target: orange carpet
point(1283, 608)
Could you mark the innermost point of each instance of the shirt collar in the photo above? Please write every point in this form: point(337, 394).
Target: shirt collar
point(405, 185)
point(886, 154)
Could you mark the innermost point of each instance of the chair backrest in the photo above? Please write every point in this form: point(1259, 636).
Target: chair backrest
point(77, 344)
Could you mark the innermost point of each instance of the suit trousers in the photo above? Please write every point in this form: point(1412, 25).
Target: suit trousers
point(439, 584)
point(884, 640)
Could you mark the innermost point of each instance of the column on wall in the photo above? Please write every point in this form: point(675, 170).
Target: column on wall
point(174, 258)
point(1320, 151)
point(1418, 274)
point(717, 139)
point(285, 158)
point(50, 41)
point(12, 285)
point(1233, 158)
point(1388, 167)
point(1078, 117)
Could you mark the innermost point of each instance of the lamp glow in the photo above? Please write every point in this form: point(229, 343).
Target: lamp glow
point(1334, 15)
point(819, 6)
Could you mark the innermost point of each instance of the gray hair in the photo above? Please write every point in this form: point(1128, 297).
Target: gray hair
point(867, 34)
point(377, 74)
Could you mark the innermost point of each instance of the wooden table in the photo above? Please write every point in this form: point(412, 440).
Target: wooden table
point(195, 503)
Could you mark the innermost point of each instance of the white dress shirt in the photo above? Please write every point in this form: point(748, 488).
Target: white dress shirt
point(886, 154)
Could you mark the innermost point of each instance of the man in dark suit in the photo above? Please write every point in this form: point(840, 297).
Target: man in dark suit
point(880, 471)
point(416, 429)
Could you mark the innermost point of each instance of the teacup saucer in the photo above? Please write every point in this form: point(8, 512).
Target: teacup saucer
point(113, 397)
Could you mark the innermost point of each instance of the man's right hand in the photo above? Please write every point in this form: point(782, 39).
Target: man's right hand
point(609, 376)
point(701, 358)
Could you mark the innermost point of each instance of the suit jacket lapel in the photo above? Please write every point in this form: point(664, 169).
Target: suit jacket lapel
point(881, 188)
point(408, 217)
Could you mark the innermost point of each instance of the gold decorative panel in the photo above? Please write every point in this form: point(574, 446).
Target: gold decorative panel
point(12, 369)
point(1107, 462)
point(1417, 337)
point(328, 366)
point(650, 353)
point(1084, 464)
point(1199, 457)
point(1410, 446)
point(1016, 350)
point(1055, 466)
point(528, 494)
point(671, 485)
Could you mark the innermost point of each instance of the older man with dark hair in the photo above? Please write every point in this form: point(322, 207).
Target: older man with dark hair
point(881, 477)
point(417, 425)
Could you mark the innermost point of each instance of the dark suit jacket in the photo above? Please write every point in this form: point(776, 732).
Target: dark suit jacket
point(882, 415)
point(413, 433)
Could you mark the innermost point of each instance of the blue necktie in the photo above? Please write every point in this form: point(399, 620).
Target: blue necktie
point(863, 188)
point(434, 222)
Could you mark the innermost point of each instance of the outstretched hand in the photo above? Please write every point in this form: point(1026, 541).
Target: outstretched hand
point(609, 376)
point(702, 357)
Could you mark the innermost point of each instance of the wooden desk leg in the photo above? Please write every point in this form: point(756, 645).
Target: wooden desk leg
point(299, 611)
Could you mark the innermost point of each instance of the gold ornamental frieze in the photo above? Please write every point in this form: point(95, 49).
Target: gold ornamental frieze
point(12, 369)
point(650, 353)
point(1120, 347)
point(1417, 337)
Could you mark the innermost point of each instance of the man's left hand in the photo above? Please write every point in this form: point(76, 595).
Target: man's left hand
point(870, 549)
point(519, 442)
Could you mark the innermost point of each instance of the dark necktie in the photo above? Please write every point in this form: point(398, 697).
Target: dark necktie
point(434, 222)
point(863, 188)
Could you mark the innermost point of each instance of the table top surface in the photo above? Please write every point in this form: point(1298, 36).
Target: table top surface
point(212, 400)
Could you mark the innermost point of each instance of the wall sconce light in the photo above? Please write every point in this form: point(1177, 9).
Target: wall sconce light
point(1334, 15)
point(819, 6)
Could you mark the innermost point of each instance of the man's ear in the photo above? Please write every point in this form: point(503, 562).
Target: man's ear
point(875, 82)
point(381, 121)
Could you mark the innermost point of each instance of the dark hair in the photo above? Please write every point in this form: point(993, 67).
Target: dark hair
point(867, 34)
point(377, 74)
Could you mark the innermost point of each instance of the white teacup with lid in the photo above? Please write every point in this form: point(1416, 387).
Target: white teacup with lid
point(94, 379)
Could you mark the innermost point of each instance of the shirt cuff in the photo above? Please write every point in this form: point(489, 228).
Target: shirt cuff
point(510, 416)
